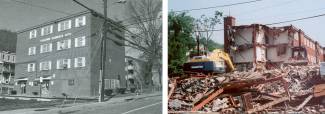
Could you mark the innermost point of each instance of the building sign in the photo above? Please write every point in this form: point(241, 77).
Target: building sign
point(56, 37)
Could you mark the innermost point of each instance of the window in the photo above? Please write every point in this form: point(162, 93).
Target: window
point(80, 21)
point(46, 48)
point(80, 41)
point(45, 65)
point(70, 82)
point(31, 67)
point(131, 72)
point(64, 44)
point(63, 64)
point(47, 30)
point(130, 62)
point(35, 83)
point(32, 34)
point(31, 50)
point(65, 25)
point(79, 62)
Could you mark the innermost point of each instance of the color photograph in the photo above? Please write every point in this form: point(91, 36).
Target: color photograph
point(246, 56)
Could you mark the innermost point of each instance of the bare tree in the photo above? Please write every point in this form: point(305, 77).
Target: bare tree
point(205, 25)
point(146, 24)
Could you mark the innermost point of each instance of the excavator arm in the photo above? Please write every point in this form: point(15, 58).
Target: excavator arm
point(219, 54)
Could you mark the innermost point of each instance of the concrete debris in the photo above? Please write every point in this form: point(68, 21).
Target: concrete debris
point(285, 89)
point(219, 104)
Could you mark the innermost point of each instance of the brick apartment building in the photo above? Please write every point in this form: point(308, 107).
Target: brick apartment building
point(7, 71)
point(63, 56)
point(257, 44)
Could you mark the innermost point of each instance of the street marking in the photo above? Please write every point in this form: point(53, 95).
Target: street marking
point(141, 108)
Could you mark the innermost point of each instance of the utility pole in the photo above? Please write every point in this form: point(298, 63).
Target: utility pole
point(102, 49)
point(198, 40)
point(102, 70)
point(103, 55)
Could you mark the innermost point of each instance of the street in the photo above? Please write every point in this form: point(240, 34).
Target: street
point(149, 105)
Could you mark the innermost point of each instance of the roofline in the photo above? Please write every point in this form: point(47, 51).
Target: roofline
point(292, 26)
point(53, 21)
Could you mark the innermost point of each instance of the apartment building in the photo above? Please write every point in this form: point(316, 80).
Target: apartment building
point(7, 71)
point(63, 57)
point(258, 44)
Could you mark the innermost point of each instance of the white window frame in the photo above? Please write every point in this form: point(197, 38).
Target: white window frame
point(63, 64)
point(47, 30)
point(64, 44)
point(80, 41)
point(43, 67)
point(33, 34)
point(46, 48)
point(64, 25)
point(78, 61)
point(32, 50)
point(31, 67)
point(80, 21)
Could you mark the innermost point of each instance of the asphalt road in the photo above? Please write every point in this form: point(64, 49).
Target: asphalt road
point(151, 105)
point(143, 105)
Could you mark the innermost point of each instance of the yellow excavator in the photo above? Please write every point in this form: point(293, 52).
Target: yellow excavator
point(216, 62)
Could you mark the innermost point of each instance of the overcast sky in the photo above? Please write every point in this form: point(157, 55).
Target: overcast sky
point(16, 16)
point(262, 12)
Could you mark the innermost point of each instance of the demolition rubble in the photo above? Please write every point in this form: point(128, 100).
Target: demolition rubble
point(285, 89)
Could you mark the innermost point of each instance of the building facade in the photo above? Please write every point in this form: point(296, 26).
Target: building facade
point(7, 71)
point(63, 57)
point(256, 45)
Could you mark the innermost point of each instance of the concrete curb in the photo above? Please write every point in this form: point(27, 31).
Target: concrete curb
point(129, 98)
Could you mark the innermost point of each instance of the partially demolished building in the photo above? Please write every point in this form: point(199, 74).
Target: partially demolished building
point(251, 46)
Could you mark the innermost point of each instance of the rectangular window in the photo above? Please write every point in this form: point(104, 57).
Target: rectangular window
point(31, 67)
point(45, 65)
point(64, 44)
point(46, 48)
point(47, 30)
point(80, 41)
point(65, 25)
point(70, 82)
point(35, 83)
point(63, 64)
point(79, 62)
point(80, 21)
point(32, 34)
point(31, 50)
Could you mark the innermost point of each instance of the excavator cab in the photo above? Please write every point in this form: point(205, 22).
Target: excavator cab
point(216, 62)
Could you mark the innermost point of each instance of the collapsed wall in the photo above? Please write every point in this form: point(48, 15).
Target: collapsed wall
point(257, 44)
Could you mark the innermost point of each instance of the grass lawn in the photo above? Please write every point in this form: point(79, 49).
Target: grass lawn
point(13, 104)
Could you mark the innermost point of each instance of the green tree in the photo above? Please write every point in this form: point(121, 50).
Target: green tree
point(212, 45)
point(180, 40)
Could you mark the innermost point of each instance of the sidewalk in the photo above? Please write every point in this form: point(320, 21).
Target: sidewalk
point(80, 105)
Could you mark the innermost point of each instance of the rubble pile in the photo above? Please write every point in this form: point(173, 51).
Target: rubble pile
point(289, 89)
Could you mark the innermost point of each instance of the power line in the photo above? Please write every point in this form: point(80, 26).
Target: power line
point(42, 7)
point(285, 14)
point(267, 7)
point(138, 16)
point(147, 20)
point(280, 22)
point(227, 5)
point(304, 18)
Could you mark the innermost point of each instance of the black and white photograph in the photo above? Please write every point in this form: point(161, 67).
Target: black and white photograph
point(81, 57)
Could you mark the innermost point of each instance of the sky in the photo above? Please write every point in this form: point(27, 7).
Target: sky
point(262, 12)
point(16, 16)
